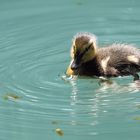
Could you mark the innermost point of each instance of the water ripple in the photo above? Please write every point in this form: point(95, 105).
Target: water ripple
point(37, 98)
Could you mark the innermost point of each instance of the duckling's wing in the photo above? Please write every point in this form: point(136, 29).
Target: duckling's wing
point(123, 58)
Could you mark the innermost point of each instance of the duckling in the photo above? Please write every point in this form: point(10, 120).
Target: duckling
point(111, 61)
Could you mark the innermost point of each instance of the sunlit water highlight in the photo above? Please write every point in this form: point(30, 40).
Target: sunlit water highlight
point(37, 99)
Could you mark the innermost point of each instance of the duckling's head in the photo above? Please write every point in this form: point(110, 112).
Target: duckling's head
point(83, 49)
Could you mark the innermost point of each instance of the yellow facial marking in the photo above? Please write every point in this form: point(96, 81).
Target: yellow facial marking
point(91, 41)
point(133, 58)
point(89, 55)
point(104, 63)
point(72, 52)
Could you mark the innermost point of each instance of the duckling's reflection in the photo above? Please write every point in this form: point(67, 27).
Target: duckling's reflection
point(132, 87)
point(87, 111)
point(74, 92)
point(91, 109)
point(73, 101)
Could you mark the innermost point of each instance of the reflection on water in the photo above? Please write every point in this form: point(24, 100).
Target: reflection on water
point(38, 101)
point(74, 91)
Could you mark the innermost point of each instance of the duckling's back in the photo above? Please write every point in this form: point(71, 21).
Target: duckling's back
point(119, 59)
point(118, 51)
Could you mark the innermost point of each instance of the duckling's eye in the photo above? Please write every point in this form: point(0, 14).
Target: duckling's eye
point(90, 45)
point(86, 49)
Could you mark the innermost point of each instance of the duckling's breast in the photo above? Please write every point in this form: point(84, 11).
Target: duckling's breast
point(91, 68)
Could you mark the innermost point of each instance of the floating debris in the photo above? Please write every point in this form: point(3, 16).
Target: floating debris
point(11, 96)
point(138, 106)
point(137, 118)
point(79, 3)
point(59, 132)
point(54, 122)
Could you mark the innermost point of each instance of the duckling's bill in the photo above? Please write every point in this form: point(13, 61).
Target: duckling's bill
point(69, 71)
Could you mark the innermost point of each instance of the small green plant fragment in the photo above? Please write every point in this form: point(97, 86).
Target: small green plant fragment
point(137, 118)
point(138, 106)
point(11, 96)
point(54, 122)
point(79, 3)
point(59, 132)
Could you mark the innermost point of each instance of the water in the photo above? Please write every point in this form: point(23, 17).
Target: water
point(37, 100)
